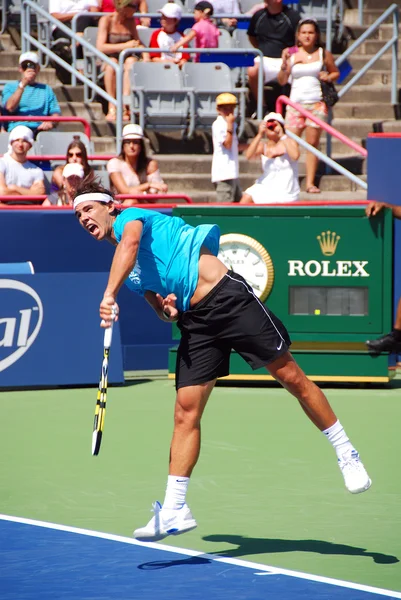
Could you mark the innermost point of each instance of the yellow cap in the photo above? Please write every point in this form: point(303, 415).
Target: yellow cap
point(226, 98)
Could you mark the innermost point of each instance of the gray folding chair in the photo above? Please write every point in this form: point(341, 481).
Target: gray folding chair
point(159, 99)
point(56, 142)
point(3, 142)
point(208, 80)
point(241, 39)
point(155, 5)
point(225, 39)
point(145, 33)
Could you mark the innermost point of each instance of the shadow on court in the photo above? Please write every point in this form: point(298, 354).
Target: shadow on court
point(251, 546)
point(165, 564)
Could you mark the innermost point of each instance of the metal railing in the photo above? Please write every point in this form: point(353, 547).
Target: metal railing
point(58, 119)
point(27, 40)
point(329, 129)
point(393, 11)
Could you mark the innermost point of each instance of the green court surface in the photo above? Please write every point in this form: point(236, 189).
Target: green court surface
point(267, 487)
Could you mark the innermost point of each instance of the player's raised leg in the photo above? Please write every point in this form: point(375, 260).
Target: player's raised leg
point(174, 516)
point(316, 406)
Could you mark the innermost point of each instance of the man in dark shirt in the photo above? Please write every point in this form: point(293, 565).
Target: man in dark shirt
point(271, 29)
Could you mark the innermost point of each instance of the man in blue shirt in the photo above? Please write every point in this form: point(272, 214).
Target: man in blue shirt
point(28, 98)
point(175, 267)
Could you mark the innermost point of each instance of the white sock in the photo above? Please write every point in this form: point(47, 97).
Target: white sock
point(175, 492)
point(338, 439)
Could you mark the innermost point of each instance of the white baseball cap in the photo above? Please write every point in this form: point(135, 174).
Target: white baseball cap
point(171, 11)
point(132, 132)
point(273, 116)
point(32, 56)
point(21, 132)
point(73, 169)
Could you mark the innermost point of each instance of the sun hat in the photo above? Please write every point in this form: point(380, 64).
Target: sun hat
point(204, 5)
point(21, 132)
point(273, 116)
point(226, 98)
point(31, 56)
point(171, 11)
point(73, 169)
point(132, 132)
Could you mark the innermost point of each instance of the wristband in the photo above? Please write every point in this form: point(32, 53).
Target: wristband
point(20, 85)
point(230, 131)
point(166, 315)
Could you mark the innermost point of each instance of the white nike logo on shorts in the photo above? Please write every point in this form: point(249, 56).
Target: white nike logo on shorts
point(279, 347)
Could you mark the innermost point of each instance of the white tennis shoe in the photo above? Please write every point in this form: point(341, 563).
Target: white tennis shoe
point(355, 476)
point(166, 522)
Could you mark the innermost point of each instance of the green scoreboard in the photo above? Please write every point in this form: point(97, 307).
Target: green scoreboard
point(325, 271)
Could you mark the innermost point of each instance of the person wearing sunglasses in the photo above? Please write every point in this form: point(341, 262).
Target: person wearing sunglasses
point(27, 97)
point(117, 32)
point(76, 154)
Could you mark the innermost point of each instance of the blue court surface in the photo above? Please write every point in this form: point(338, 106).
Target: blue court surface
point(43, 560)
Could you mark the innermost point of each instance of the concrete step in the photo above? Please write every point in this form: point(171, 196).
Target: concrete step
point(201, 182)
point(384, 32)
point(6, 42)
point(358, 61)
point(376, 112)
point(90, 112)
point(351, 16)
point(391, 126)
point(373, 46)
point(374, 77)
point(360, 94)
point(354, 128)
point(12, 74)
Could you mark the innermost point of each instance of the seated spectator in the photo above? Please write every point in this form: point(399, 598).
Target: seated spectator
point(228, 7)
point(279, 155)
point(27, 98)
point(168, 35)
point(271, 29)
point(117, 32)
point(19, 176)
point(140, 7)
point(205, 33)
point(308, 65)
point(76, 154)
point(64, 11)
point(132, 172)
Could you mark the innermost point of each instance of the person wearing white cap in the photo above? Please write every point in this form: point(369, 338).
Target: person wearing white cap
point(168, 35)
point(279, 155)
point(132, 172)
point(28, 98)
point(176, 268)
point(18, 175)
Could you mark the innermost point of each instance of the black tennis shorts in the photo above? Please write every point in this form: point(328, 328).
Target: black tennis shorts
point(229, 317)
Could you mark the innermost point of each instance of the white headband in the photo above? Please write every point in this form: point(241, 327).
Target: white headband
point(106, 198)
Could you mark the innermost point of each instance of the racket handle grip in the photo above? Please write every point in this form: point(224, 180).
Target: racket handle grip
point(108, 334)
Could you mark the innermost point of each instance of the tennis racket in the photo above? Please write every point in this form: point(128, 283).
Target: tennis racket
point(100, 409)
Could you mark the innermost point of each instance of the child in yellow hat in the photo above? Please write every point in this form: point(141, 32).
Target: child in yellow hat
point(225, 150)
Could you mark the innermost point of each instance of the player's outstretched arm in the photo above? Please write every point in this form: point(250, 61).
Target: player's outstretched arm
point(122, 265)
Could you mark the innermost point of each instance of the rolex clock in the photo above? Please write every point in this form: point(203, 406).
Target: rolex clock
point(248, 258)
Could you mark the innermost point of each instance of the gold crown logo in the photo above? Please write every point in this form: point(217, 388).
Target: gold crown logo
point(328, 241)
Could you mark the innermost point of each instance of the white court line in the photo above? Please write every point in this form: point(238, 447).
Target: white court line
point(266, 570)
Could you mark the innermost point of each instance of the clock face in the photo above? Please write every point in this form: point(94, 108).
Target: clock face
point(248, 258)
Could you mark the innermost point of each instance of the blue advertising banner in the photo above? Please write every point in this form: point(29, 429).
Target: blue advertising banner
point(50, 331)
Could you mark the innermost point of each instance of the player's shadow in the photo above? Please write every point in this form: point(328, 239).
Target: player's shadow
point(165, 564)
point(248, 546)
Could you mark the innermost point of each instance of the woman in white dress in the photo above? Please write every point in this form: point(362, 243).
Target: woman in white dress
point(279, 155)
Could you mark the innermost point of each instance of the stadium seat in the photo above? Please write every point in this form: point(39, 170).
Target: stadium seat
point(155, 5)
point(3, 142)
point(56, 142)
point(145, 33)
point(225, 39)
point(159, 99)
point(241, 39)
point(208, 80)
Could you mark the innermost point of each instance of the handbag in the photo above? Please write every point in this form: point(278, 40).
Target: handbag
point(329, 92)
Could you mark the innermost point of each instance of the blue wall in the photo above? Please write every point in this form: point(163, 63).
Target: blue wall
point(55, 243)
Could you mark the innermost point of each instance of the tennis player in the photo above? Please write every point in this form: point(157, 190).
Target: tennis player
point(175, 267)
